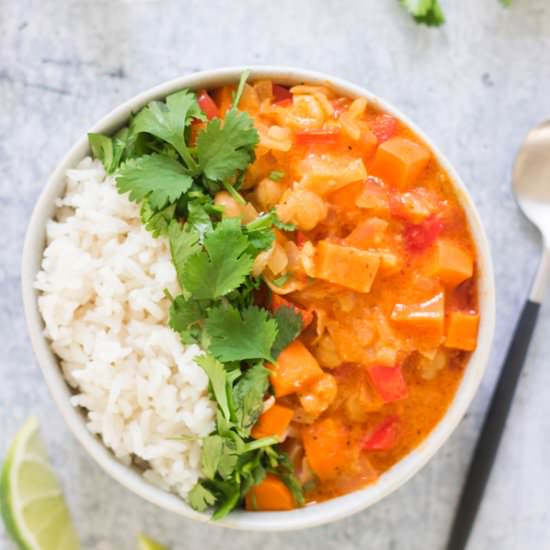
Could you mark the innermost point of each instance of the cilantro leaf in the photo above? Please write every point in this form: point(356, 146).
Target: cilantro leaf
point(223, 266)
point(160, 179)
point(184, 242)
point(168, 121)
point(108, 150)
point(248, 396)
point(289, 324)
point(200, 498)
point(238, 335)
point(427, 12)
point(225, 149)
point(218, 381)
point(212, 448)
point(183, 314)
point(156, 221)
point(199, 219)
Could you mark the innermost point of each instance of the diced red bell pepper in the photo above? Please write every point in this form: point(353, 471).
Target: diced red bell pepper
point(278, 301)
point(388, 382)
point(206, 103)
point(281, 93)
point(421, 236)
point(321, 136)
point(384, 436)
point(301, 238)
point(384, 127)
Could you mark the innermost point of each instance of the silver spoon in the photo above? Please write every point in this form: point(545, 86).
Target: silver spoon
point(531, 184)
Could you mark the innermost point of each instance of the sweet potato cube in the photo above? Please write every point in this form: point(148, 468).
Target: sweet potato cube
point(346, 266)
point(271, 494)
point(452, 264)
point(327, 452)
point(273, 422)
point(295, 369)
point(399, 161)
point(426, 317)
point(462, 330)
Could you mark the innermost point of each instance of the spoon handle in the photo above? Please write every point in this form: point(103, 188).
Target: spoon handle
point(487, 444)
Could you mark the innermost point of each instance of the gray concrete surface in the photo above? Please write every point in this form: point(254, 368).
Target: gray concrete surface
point(475, 86)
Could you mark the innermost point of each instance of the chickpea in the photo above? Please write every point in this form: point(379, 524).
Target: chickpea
point(231, 209)
point(268, 193)
point(303, 208)
point(319, 396)
point(326, 353)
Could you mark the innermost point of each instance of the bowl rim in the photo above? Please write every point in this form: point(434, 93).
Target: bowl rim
point(308, 516)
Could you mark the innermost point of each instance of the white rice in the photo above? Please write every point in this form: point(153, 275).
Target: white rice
point(102, 300)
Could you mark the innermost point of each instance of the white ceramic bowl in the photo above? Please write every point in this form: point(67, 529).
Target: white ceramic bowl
point(257, 521)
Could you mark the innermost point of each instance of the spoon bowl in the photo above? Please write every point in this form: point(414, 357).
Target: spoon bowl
point(531, 185)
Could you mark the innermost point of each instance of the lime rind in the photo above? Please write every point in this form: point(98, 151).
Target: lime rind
point(31, 499)
point(145, 543)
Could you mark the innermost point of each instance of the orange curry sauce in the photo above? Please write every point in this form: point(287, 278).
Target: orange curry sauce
point(382, 269)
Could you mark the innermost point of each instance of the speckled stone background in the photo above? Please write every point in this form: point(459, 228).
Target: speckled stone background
point(475, 86)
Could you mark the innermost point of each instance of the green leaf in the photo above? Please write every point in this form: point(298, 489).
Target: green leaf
point(199, 219)
point(184, 243)
point(238, 335)
point(289, 324)
point(506, 3)
point(157, 221)
point(184, 313)
point(108, 150)
point(276, 175)
point(427, 12)
point(282, 280)
point(168, 121)
point(225, 149)
point(231, 500)
point(223, 266)
point(200, 498)
point(218, 381)
point(160, 179)
point(212, 448)
point(248, 396)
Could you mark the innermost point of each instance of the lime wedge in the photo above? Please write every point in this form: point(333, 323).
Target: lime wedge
point(145, 543)
point(31, 498)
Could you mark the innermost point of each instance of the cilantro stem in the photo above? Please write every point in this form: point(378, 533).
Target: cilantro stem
point(260, 443)
point(240, 88)
point(265, 221)
point(188, 159)
point(234, 193)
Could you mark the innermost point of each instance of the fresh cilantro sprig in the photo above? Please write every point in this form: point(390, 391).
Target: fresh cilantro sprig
point(429, 12)
point(231, 463)
point(174, 182)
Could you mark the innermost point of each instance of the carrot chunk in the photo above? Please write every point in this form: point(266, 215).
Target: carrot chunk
point(270, 494)
point(426, 316)
point(388, 382)
point(346, 266)
point(224, 98)
point(462, 330)
point(399, 161)
point(451, 264)
point(327, 449)
point(346, 196)
point(274, 421)
point(295, 369)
